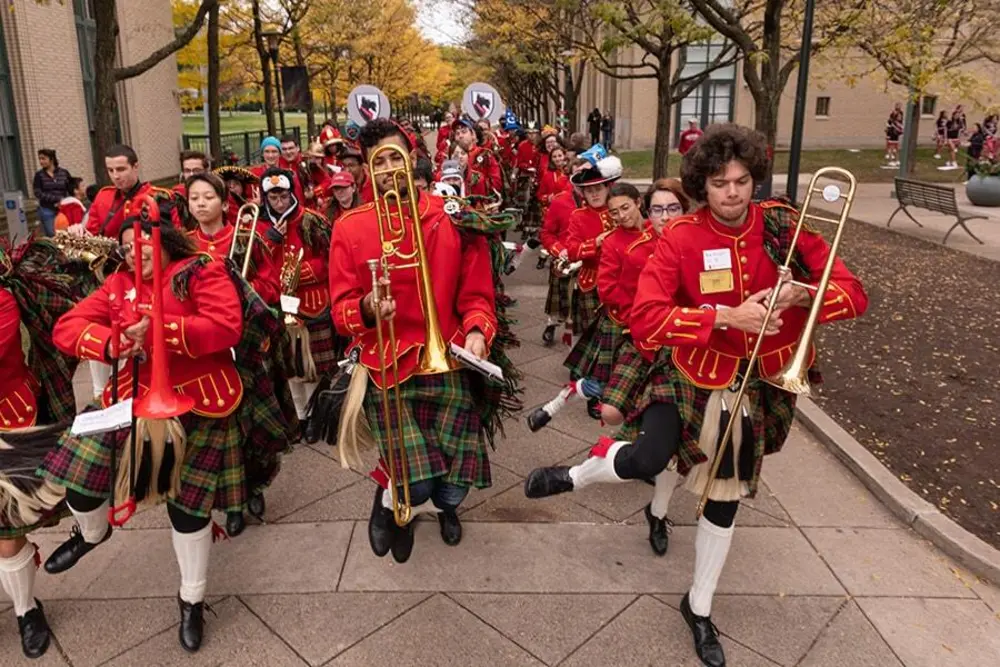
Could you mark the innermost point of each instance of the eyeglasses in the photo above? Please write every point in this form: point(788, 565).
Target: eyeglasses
point(670, 210)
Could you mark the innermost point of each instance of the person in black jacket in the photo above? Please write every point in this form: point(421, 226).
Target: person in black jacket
point(51, 186)
point(594, 125)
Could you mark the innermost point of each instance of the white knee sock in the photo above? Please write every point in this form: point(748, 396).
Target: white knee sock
point(17, 574)
point(93, 524)
point(665, 483)
point(711, 547)
point(597, 469)
point(192, 551)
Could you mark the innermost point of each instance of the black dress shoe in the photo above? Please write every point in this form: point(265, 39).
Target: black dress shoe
point(402, 546)
point(34, 630)
point(451, 527)
point(594, 408)
point(256, 505)
point(235, 523)
point(69, 552)
point(382, 527)
point(659, 532)
point(549, 335)
point(706, 636)
point(549, 481)
point(310, 432)
point(192, 624)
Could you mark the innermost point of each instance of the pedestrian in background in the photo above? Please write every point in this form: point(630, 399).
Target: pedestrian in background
point(50, 186)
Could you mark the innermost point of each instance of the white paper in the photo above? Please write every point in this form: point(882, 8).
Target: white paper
point(116, 417)
point(718, 259)
point(481, 365)
point(290, 304)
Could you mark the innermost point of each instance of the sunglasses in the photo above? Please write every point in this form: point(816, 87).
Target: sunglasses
point(671, 209)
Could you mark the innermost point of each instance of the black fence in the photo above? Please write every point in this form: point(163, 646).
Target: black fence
point(239, 148)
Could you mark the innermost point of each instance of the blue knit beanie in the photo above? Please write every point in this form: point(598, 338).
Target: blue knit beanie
point(270, 141)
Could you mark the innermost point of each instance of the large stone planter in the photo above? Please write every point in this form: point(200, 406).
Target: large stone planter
point(983, 190)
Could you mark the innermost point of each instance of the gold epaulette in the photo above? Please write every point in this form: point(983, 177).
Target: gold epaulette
point(688, 219)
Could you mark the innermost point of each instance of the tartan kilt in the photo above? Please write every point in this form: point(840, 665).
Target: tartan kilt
point(15, 467)
point(441, 426)
point(557, 300)
point(51, 518)
point(324, 344)
point(629, 373)
point(771, 410)
point(584, 310)
point(594, 354)
point(212, 475)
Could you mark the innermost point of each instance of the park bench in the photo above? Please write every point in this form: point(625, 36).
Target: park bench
point(931, 197)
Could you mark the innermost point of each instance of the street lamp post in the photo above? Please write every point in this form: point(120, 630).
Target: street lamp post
point(795, 150)
point(273, 38)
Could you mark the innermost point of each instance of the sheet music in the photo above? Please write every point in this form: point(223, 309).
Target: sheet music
point(116, 417)
point(472, 361)
point(290, 304)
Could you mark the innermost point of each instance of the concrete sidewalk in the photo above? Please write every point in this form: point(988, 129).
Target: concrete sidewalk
point(820, 575)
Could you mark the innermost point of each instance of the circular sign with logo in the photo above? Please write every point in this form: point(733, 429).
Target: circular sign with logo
point(366, 103)
point(481, 101)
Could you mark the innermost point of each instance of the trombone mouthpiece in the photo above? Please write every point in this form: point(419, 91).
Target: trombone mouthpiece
point(372, 264)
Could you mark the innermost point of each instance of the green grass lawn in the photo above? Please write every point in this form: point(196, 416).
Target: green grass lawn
point(865, 165)
point(243, 121)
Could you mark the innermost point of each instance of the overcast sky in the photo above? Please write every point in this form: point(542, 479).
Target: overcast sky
point(440, 21)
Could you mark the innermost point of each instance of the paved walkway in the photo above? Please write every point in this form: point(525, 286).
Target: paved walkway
point(820, 574)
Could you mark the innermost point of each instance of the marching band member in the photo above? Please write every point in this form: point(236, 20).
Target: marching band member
point(554, 177)
point(203, 321)
point(588, 227)
point(443, 147)
point(241, 188)
point(554, 236)
point(192, 162)
point(482, 173)
point(106, 213)
point(352, 160)
point(343, 195)
point(295, 228)
point(445, 448)
point(318, 184)
point(205, 197)
point(330, 139)
point(726, 255)
point(271, 154)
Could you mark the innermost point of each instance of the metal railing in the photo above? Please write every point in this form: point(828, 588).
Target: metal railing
point(244, 147)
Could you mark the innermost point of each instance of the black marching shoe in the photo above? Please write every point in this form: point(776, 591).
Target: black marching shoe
point(451, 527)
point(549, 481)
point(192, 624)
point(72, 550)
point(310, 432)
point(549, 335)
point(706, 636)
point(659, 532)
point(256, 506)
point(34, 630)
point(235, 523)
point(402, 546)
point(381, 526)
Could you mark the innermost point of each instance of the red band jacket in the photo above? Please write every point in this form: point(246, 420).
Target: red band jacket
point(701, 266)
point(461, 279)
point(107, 212)
point(527, 156)
point(18, 387)
point(313, 291)
point(585, 225)
point(553, 182)
point(555, 225)
point(623, 257)
point(200, 330)
point(483, 175)
point(263, 274)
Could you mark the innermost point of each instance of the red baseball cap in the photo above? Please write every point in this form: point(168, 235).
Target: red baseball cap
point(341, 179)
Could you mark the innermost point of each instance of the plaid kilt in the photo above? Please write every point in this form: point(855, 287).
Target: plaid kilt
point(212, 476)
point(628, 377)
point(51, 518)
point(324, 344)
point(557, 300)
point(441, 426)
point(771, 409)
point(594, 354)
point(584, 310)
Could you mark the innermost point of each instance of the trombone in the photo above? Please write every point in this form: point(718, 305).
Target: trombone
point(793, 378)
point(395, 207)
point(248, 231)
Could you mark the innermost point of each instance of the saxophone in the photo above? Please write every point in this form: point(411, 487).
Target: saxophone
point(95, 251)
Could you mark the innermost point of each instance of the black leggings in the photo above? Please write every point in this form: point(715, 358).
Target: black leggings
point(652, 450)
point(181, 521)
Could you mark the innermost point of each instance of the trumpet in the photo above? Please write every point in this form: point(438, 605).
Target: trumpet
point(793, 378)
point(247, 231)
point(395, 207)
point(96, 251)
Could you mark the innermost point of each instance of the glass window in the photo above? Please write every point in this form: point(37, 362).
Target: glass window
point(712, 101)
point(11, 171)
point(928, 105)
point(823, 106)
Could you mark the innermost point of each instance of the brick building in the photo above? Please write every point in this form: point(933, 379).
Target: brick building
point(47, 88)
point(837, 115)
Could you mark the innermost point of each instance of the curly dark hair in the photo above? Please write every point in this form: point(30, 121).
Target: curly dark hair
point(379, 129)
point(720, 145)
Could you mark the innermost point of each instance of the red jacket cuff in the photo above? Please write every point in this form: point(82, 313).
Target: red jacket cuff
point(176, 336)
point(837, 304)
point(477, 319)
point(347, 317)
point(93, 342)
point(684, 326)
point(588, 249)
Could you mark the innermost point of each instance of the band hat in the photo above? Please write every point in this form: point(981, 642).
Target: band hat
point(342, 179)
point(329, 136)
point(451, 169)
point(276, 179)
point(234, 173)
point(464, 121)
point(315, 150)
point(606, 170)
point(270, 141)
point(349, 149)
